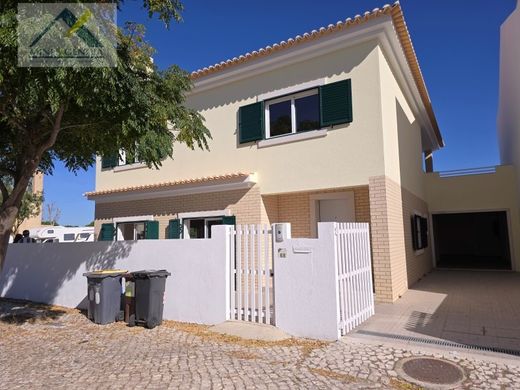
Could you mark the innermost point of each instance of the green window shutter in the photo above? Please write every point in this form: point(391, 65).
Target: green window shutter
point(174, 228)
point(107, 232)
point(251, 122)
point(232, 220)
point(151, 230)
point(336, 103)
point(109, 162)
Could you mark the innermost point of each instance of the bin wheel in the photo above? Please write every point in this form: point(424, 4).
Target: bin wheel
point(131, 320)
point(151, 324)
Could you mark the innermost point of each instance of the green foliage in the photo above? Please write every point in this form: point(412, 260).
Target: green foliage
point(73, 114)
point(104, 109)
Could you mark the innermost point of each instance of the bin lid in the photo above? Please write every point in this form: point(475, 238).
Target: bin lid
point(151, 273)
point(105, 273)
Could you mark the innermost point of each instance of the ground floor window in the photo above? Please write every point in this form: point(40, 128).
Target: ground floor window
point(130, 231)
point(200, 227)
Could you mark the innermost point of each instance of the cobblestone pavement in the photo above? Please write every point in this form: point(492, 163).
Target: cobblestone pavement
point(43, 347)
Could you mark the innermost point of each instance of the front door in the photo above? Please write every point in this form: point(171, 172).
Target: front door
point(333, 210)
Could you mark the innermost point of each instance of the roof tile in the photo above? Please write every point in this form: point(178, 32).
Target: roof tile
point(394, 11)
point(164, 185)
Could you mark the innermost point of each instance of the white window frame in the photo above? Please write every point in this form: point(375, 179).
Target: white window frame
point(187, 225)
point(206, 215)
point(285, 98)
point(120, 236)
point(122, 220)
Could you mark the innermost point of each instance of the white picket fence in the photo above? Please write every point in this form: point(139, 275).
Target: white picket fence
point(251, 278)
point(355, 286)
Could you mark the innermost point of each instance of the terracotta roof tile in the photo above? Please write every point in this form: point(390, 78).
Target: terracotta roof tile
point(170, 184)
point(394, 11)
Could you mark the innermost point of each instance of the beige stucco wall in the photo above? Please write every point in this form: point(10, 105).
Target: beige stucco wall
point(508, 112)
point(487, 192)
point(398, 194)
point(401, 134)
point(346, 157)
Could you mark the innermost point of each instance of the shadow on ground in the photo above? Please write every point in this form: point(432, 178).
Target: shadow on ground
point(475, 308)
point(18, 312)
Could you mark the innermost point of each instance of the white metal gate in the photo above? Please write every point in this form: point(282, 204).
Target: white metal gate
point(356, 294)
point(252, 286)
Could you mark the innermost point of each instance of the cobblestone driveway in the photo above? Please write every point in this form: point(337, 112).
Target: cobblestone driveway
point(42, 347)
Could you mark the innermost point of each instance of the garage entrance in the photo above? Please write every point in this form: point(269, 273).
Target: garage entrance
point(472, 240)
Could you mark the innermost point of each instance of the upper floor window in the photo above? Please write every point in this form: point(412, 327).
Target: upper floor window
point(312, 109)
point(293, 114)
point(123, 158)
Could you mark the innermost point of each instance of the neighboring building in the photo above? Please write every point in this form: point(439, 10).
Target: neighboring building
point(36, 221)
point(334, 125)
point(328, 126)
point(509, 111)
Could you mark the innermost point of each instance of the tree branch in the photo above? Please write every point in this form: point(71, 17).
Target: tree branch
point(55, 131)
point(81, 125)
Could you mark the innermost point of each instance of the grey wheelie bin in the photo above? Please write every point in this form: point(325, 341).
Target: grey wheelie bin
point(104, 295)
point(149, 297)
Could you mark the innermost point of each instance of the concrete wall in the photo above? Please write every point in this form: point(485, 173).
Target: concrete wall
point(347, 156)
point(197, 291)
point(508, 112)
point(306, 288)
point(485, 192)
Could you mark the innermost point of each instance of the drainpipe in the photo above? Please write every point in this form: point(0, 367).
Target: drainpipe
point(428, 160)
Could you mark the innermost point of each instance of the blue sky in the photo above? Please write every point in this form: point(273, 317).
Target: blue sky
point(457, 43)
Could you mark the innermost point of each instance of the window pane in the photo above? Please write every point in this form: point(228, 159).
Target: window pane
point(68, 237)
point(127, 230)
point(280, 118)
point(139, 231)
point(307, 113)
point(196, 228)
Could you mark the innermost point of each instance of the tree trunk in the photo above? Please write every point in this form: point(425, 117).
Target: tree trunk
point(7, 219)
point(10, 206)
point(9, 209)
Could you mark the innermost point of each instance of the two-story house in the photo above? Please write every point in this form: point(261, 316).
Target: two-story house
point(332, 125)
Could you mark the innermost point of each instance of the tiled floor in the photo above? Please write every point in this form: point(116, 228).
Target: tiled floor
point(470, 307)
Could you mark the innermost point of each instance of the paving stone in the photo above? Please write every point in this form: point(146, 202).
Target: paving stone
point(79, 354)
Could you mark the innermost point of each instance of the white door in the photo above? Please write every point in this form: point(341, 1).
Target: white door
point(336, 210)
